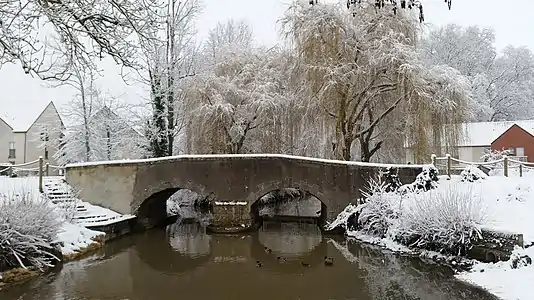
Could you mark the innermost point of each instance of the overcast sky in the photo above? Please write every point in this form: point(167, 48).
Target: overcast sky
point(22, 96)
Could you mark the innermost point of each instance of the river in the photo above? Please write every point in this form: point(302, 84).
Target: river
point(182, 262)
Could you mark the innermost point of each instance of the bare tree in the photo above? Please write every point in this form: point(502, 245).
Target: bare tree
point(84, 30)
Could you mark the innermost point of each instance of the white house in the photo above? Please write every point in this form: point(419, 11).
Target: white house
point(25, 141)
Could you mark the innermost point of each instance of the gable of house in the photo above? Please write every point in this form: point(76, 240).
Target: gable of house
point(20, 139)
point(44, 134)
point(516, 139)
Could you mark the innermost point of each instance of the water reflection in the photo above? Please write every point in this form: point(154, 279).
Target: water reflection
point(188, 239)
point(182, 262)
point(290, 239)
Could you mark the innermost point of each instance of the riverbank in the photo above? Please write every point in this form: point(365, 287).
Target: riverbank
point(75, 243)
point(32, 223)
point(497, 203)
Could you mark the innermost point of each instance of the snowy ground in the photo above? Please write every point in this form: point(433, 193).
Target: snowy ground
point(508, 204)
point(73, 235)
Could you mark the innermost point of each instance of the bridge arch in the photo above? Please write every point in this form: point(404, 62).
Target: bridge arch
point(269, 187)
point(153, 210)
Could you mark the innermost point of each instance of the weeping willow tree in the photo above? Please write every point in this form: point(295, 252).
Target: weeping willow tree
point(363, 76)
point(233, 100)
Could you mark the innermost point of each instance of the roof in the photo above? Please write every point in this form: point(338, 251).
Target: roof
point(21, 119)
point(481, 134)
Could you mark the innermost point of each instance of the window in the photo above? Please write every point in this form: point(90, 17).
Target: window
point(44, 135)
point(520, 151)
point(108, 134)
point(511, 151)
point(11, 150)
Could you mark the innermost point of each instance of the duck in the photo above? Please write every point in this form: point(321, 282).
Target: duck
point(281, 259)
point(267, 250)
point(305, 264)
point(258, 264)
point(328, 261)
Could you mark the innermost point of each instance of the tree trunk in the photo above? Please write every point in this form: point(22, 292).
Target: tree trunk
point(171, 61)
point(85, 123)
point(158, 140)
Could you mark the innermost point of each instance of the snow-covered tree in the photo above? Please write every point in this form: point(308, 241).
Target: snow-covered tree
point(170, 58)
point(233, 32)
point(237, 94)
point(84, 31)
point(364, 73)
point(96, 131)
point(502, 83)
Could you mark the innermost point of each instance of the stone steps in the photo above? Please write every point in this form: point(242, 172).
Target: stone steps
point(61, 194)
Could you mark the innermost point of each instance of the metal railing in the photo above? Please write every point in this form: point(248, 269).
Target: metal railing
point(507, 164)
point(42, 169)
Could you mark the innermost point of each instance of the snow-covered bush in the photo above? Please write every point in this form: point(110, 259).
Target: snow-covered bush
point(28, 225)
point(425, 181)
point(376, 213)
point(390, 178)
point(472, 174)
point(519, 258)
point(494, 155)
point(444, 220)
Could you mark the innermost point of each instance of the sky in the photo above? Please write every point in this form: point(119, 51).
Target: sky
point(22, 97)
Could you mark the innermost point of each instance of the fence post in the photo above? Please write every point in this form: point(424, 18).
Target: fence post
point(40, 174)
point(47, 169)
point(433, 159)
point(520, 170)
point(448, 165)
point(505, 167)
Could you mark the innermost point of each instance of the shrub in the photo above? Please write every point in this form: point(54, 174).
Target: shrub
point(472, 174)
point(390, 178)
point(493, 155)
point(376, 214)
point(445, 220)
point(28, 225)
point(425, 181)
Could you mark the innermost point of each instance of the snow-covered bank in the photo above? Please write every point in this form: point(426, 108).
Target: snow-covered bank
point(41, 222)
point(76, 239)
point(499, 203)
point(502, 280)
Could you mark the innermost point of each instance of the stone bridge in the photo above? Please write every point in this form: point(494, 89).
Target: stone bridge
point(233, 182)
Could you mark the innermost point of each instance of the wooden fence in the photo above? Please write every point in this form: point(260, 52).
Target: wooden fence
point(42, 169)
point(505, 163)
